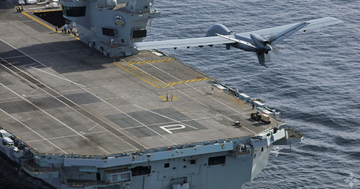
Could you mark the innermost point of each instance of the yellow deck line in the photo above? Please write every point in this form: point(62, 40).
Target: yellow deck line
point(138, 76)
point(154, 79)
point(147, 75)
point(53, 10)
point(151, 61)
point(129, 64)
point(185, 81)
point(42, 23)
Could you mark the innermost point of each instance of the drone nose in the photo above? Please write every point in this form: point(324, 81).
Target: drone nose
point(268, 47)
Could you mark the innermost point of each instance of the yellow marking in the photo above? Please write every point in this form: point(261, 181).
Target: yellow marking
point(42, 23)
point(129, 64)
point(151, 61)
point(53, 10)
point(147, 75)
point(159, 83)
point(185, 81)
point(169, 99)
point(138, 76)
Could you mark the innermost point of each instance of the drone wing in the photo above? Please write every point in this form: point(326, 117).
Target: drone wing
point(311, 24)
point(201, 41)
point(227, 39)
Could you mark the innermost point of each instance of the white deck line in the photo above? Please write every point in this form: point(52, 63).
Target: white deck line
point(203, 93)
point(43, 138)
point(165, 117)
point(62, 123)
point(90, 112)
point(58, 77)
point(48, 114)
point(62, 137)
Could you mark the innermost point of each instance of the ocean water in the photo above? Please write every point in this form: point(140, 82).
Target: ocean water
point(314, 79)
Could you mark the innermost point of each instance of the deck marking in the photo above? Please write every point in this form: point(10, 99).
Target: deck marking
point(177, 126)
point(150, 61)
point(135, 74)
point(151, 77)
point(33, 90)
point(22, 53)
point(56, 97)
point(57, 76)
point(62, 123)
point(187, 83)
point(42, 23)
point(207, 95)
point(165, 117)
point(38, 54)
point(62, 137)
point(37, 20)
point(172, 122)
point(53, 10)
point(93, 127)
point(151, 73)
point(131, 64)
point(132, 119)
point(32, 129)
point(48, 114)
point(145, 73)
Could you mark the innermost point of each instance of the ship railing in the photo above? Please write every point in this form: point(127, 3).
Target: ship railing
point(113, 44)
point(243, 152)
point(38, 170)
point(120, 7)
point(113, 171)
point(228, 90)
point(62, 175)
point(236, 94)
point(124, 9)
point(74, 0)
point(82, 184)
point(280, 123)
point(237, 152)
point(293, 131)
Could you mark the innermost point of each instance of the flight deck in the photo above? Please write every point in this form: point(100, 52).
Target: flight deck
point(60, 96)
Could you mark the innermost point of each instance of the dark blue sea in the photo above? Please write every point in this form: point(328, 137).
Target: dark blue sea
point(314, 79)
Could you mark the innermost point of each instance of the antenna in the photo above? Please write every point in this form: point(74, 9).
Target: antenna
point(150, 20)
point(150, 7)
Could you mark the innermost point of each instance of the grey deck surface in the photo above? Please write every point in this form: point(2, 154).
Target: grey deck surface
point(59, 96)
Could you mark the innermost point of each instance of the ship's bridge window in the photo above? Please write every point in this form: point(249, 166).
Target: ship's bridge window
point(217, 160)
point(141, 170)
point(74, 11)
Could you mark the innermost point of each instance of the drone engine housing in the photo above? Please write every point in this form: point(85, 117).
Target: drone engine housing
point(217, 28)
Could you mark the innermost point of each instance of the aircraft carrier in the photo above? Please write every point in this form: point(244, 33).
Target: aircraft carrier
point(80, 116)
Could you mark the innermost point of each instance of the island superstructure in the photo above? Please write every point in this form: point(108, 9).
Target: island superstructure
point(111, 26)
point(78, 119)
